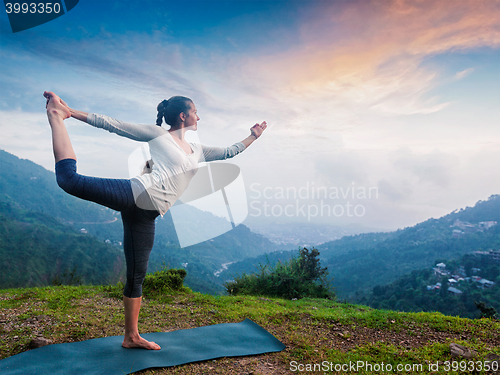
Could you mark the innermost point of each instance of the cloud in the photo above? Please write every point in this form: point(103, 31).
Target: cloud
point(394, 193)
point(463, 73)
point(435, 168)
point(27, 135)
point(371, 52)
point(350, 57)
point(120, 57)
point(334, 89)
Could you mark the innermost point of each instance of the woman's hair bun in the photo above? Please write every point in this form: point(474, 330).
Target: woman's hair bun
point(162, 108)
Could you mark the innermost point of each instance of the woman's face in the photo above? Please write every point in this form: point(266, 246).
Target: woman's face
point(192, 118)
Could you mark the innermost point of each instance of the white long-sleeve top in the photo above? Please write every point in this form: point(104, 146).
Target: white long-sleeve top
point(172, 168)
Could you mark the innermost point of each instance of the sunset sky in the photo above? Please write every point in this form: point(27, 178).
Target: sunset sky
point(401, 97)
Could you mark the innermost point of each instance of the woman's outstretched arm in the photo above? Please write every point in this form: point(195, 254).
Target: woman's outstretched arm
point(223, 153)
point(79, 115)
point(142, 133)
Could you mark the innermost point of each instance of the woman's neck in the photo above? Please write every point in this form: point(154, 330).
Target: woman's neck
point(178, 132)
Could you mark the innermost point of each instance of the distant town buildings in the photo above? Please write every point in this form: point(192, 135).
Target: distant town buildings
point(485, 284)
point(453, 281)
point(440, 270)
point(494, 255)
point(432, 287)
point(465, 228)
point(455, 291)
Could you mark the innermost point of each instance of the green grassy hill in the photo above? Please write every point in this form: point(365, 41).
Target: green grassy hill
point(315, 331)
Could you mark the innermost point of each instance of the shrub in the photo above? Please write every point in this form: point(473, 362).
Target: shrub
point(68, 278)
point(486, 311)
point(164, 281)
point(300, 277)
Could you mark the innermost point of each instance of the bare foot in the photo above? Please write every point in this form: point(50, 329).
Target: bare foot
point(139, 342)
point(56, 106)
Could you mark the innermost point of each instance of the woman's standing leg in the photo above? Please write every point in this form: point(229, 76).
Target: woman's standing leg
point(138, 239)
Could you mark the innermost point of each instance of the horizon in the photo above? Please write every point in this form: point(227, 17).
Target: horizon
point(355, 228)
point(397, 96)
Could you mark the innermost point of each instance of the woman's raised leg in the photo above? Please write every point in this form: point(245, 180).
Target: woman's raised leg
point(113, 193)
point(57, 112)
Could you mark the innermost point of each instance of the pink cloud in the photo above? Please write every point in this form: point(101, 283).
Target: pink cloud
point(370, 52)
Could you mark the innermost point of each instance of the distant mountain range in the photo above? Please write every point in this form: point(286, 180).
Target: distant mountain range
point(290, 235)
point(36, 249)
point(32, 187)
point(46, 233)
point(389, 256)
point(358, 263)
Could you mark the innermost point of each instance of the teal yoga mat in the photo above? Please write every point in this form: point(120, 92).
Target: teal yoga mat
point(106, 356)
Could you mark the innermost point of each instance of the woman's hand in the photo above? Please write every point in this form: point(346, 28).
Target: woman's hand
point(256, 132)
point(257, 129)
point(79, 115)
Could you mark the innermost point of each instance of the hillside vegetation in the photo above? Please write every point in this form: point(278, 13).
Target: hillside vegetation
point(300, 277)
point(36, 250)
point(34, 188)
point(391, 256)
point(427, 290)
point(315, 331)
point(41, 239)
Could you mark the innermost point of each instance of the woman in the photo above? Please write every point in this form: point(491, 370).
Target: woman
point(140, 199)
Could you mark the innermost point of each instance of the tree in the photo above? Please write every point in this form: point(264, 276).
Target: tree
point(444, 286)
point(309, 265)
point(301, 276)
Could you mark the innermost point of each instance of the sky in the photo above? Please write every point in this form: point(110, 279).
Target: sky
point(381, 113)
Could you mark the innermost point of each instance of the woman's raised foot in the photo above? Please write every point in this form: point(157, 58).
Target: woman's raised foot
point(56, 106)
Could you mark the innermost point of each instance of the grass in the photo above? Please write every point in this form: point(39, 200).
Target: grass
point(321, 334)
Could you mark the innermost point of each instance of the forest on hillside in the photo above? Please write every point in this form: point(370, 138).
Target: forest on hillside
point(433, 289)
point(38, 250)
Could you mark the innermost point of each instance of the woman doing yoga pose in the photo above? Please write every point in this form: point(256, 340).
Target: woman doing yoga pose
point(141, 199)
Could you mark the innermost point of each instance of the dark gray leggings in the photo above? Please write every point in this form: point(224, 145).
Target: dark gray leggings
point(138, 224)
